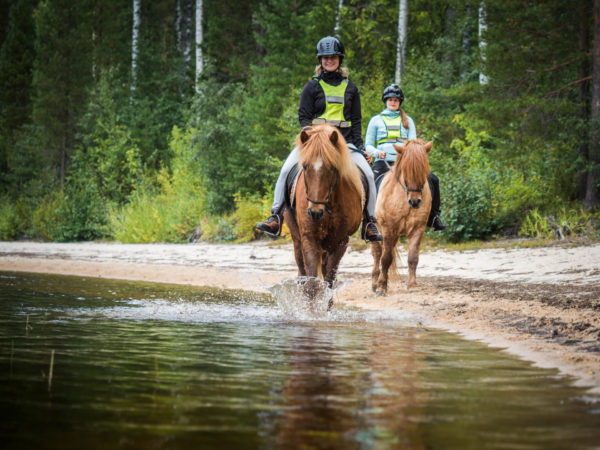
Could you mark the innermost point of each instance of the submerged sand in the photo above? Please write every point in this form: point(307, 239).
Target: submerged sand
point(542, 303)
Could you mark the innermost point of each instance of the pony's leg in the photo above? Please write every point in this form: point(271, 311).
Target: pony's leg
point(387, 258)
point(414, 244)
point(295, 233)
point(376, 252)
point(313, 257)
point(333, 258)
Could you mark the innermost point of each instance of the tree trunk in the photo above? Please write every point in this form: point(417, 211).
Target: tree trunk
point(338, 18)
point(584, 98)
point(401, 44)
point(482, 42)
point(593, 179)
point(135, 31)
point(466, 46)
point(198, 43)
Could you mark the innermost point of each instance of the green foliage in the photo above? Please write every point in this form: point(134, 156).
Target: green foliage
point(108, 152)
point(217, 229)
point(170, 212)
point(562, 222)
point(61, 75)
point(13, 218)
point(78, 214)
point(249, 210)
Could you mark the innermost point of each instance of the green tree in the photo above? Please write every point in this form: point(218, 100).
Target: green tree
point(16, 57)
point(62, 75)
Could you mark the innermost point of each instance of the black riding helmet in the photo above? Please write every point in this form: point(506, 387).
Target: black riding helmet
point(393, 90)
point(330, 45)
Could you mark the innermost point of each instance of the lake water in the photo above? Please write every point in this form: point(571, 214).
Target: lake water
point(89, 363)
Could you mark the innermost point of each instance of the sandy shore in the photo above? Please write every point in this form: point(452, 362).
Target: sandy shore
point(542, 304)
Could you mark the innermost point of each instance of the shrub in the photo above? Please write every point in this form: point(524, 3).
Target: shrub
point(77, 214)
point(559, 223)
point(169, 207)
point(11, 224)
point(249, 210)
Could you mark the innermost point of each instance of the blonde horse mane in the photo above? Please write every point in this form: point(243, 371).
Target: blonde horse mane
point(414, 163)
point(334, 154)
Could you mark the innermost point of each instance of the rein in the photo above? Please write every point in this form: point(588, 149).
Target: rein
point(326, 202)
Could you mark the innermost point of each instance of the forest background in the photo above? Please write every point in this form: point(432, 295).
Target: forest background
point(107, 132)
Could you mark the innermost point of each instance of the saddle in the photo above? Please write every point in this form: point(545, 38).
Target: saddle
point(292, 181)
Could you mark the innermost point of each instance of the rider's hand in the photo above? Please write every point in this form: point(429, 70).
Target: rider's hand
point(381, 155)
point(368, 156)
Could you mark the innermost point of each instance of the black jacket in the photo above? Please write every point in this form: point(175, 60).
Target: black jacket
point(312, 105)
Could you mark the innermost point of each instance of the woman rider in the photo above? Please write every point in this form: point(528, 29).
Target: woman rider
point(329, 98)
point(388, 127)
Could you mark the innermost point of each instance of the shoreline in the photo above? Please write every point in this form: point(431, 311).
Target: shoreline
point(508, 302)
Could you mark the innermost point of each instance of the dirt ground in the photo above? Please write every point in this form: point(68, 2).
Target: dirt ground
point(542, 304)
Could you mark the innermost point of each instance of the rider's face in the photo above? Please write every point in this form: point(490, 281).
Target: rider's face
point(330, 62)
point(393, 103)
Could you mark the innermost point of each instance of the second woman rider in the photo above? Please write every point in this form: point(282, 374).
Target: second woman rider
point(388, 127)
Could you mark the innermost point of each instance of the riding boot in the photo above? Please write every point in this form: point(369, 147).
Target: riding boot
point(369, 232)
point(434, 215)
point(271, 226)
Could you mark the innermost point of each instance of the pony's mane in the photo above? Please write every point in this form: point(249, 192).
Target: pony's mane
point(414, 165)
point(333, 156)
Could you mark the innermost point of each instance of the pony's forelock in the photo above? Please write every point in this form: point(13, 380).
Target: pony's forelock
point(414, 164)
point(333, 156)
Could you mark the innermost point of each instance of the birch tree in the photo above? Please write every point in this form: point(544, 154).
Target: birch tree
point(483, 79)
point(135, 32)
point(338, 18)
point(198, 43)
point(592, 198)
point(401, 44)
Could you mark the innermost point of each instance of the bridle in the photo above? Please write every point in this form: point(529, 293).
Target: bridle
point(331, 187)
point(408, 190)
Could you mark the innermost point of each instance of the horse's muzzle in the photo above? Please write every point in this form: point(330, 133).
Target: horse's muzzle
point(315, 216)
point(414, 203)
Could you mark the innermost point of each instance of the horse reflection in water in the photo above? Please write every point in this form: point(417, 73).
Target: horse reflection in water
point(335, 402)
point(328, 204)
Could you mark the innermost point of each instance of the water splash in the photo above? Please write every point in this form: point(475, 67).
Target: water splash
point(304, 298)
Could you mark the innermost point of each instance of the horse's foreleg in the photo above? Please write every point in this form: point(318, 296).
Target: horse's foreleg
point(376, 252)
point(333, 259)
point(414, 244)
point(387, 258)
point(312, 256)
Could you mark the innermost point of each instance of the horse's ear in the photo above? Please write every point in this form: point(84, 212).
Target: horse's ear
point(303, 136)
point(428, 146)
point(399, 148)
point(333, 137)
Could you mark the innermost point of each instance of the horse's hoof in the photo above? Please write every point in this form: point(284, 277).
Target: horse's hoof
point(380, 293)
point(374, 287)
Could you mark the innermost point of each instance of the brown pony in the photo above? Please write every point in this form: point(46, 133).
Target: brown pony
point(328, 199)
point(402, 209)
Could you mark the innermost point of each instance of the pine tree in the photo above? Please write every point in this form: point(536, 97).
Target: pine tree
point(16, 57)
point(62, 75)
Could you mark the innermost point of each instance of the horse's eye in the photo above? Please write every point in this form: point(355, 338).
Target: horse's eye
point(304, 167)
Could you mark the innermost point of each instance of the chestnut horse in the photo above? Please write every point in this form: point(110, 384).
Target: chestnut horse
point(328, 202)
point(402, 209)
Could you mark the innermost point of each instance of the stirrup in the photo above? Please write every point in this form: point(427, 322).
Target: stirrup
point(363, 234)
point(267, 230)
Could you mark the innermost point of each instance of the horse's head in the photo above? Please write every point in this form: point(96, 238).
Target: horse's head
point(413, 168)
point(320, 173)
